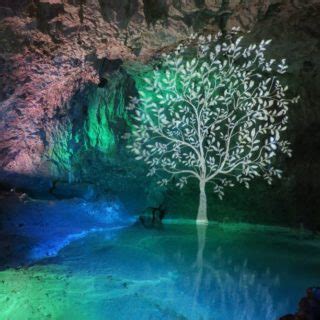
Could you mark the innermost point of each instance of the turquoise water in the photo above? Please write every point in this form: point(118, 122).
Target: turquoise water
point(176, 272)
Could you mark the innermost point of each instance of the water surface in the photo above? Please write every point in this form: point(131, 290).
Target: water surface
point(177, 272)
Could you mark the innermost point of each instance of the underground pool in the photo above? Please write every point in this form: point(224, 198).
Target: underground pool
point(179, 271)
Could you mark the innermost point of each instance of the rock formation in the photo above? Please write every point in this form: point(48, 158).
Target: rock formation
point(56, 55)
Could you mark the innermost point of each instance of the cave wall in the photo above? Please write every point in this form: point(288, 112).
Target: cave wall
point(63, 91)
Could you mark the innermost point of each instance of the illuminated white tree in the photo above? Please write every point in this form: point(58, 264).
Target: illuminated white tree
point(218, 117)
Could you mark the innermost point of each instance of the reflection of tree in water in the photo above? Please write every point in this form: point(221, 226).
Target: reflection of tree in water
point(228, 289)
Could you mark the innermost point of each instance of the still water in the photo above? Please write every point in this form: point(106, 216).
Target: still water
point(178, 272)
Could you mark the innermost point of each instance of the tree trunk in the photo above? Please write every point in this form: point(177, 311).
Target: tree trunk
point(202, 210)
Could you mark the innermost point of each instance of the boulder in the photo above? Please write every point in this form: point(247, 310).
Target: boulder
point(309, 306)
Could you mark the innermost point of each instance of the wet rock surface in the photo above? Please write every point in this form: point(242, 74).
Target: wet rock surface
point(309, 306)
point(32, 230)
